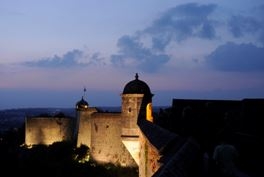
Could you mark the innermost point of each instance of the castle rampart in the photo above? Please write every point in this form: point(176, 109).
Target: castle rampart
point(47, 130)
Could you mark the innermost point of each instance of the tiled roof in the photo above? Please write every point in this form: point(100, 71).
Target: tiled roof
point(181, 163)
point(156, 135)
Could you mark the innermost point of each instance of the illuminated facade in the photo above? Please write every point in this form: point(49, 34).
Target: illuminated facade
point(111, 137)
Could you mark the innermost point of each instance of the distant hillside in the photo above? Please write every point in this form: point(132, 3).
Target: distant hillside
point(15, 118)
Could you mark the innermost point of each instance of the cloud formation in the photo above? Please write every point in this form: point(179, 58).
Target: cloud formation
point(242, 24)
point(180, 23)
point(148, 50)
point(74, 58)
point(133, 54)
point(237, 57)
point(174, 25)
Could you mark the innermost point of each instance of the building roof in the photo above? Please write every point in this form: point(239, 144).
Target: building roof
point(136, 86)
point(82, 104)
point(182, 161)
point(159, 137)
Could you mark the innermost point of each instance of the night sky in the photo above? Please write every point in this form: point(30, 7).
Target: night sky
point(50, 50)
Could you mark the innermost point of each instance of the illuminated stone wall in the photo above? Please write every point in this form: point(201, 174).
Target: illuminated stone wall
point(47, 130)
point(112, 137)
point(148, 158)
point(106, 144)
point(105, 133)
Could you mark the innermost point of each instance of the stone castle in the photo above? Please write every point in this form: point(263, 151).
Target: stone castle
point(157, 145)
point(112, 137)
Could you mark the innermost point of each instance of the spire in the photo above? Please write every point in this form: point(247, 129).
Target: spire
point(84, 90)
point(136, 76)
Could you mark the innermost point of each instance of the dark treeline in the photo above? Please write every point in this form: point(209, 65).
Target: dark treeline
point(61, 159)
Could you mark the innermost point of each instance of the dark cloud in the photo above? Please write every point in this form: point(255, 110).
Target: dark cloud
point(181, 22)
point(237, 57)
point(240, 25)
point(95, 59)
point(176, 24)
point(133, 54)
point(70, 59)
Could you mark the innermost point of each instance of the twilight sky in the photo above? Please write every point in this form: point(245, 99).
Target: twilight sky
point(50, 50)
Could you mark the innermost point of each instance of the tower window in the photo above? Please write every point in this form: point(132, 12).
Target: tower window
point(129, 109)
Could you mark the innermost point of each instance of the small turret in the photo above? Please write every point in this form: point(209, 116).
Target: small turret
point(137, 86)
point(136, 104)
point(134, 90)
point(82, 104)
point(83, 122)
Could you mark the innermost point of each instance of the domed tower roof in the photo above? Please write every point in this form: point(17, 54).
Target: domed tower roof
point(82, 104)
point(137, 87)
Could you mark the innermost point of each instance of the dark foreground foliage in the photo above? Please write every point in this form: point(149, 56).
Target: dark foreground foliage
point(60, 159)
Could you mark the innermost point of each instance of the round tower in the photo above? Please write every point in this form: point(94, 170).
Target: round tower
point(136, 104)
point(82, 132)
point(81, 111)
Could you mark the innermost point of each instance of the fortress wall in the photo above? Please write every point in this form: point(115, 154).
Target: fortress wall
point(149, 157)
point(45, 130)
point(106, 145)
